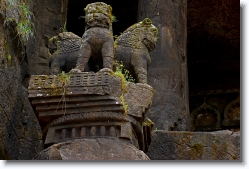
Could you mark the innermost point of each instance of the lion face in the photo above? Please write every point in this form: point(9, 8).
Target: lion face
point(98, 19)
point(150, 37)
point(150, 34)
point(98, 14)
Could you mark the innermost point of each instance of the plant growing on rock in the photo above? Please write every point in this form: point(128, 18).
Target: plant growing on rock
point(122, 71)
point(63, 79)
point(18, 12)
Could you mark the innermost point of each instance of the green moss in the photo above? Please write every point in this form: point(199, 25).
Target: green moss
point(123, 72)
point(224, 146)
point(234, 157)
point(52, 38)
point(9, 57)
point(147, 122)
point(64, 29)
point(123, 84)
point(25, 27)
point(197, 151)
point(215, 151)
point(63, 78)
point(114, 18)
point(198, 147)
point(125, 105)
point(58, 87)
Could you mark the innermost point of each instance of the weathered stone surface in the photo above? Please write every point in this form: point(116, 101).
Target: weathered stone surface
point(20, 133)
point(100, 83)
point(138, 98)
point(167, 73)
point(132, 47)
point(219, 145)
point(92, 149)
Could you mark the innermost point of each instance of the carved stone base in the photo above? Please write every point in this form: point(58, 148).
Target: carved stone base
point(95, 125)
point(92, 106)
point(92, 149)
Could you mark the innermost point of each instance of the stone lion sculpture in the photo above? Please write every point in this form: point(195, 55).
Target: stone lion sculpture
point(97, 41)
point(132, 47)
point(64, 49)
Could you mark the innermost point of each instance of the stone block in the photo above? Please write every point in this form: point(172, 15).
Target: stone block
point(93, 149)
point(219, 145)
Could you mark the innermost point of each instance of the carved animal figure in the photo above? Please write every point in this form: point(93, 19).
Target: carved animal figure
point(97, 41)
point(65, 49)
point(132, 47)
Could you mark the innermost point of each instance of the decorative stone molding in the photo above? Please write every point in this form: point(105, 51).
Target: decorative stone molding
point(205, 118)
point(232, 113)
point(91, 105)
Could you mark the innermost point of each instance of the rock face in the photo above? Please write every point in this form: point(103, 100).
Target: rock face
point(50, 16)
point(220, 145)
point(92, 149)
point(20, 133)
point(167, 73)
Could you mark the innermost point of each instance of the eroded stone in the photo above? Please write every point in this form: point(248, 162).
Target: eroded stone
point(220, 145)
point(92, 149)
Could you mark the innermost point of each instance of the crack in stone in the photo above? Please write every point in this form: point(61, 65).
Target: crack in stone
point(50, 10)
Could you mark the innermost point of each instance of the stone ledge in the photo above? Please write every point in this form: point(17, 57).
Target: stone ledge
point(175, 145)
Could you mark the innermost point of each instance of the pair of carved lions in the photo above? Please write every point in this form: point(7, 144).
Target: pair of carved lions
point(97, 48)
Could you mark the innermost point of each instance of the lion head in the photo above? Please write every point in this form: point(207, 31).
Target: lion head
point(143, 32)
point(64, 42)
point(98, 14)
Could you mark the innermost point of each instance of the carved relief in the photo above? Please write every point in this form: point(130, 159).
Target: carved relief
point(95, 124)
point(89, 83)
point(205, 117)
point(232, 113)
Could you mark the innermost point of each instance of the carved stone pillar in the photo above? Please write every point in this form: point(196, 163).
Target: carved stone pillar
point(91, 116)
point(168, 70)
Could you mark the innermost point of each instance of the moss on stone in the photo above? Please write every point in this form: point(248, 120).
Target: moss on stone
point(234, 157)
point(125, 105)
point(215, 151)
point(121, 76)
point(198, 147)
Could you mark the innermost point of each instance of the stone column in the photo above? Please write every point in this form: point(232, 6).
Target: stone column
point(167, 73)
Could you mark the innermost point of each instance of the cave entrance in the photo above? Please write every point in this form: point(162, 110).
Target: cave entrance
point(124, 10)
